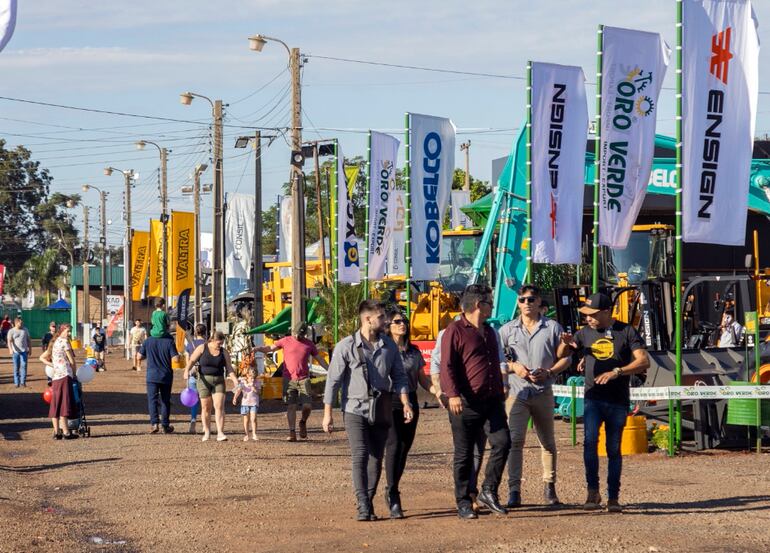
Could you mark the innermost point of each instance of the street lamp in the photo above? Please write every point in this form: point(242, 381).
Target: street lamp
point(218, 299)
point(195, 190)
point(141, 145)
point(298, 288)
point(103, 243)
point(128, 176)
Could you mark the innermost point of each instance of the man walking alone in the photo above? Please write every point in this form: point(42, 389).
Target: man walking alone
point(472, 380)
point(19, 347)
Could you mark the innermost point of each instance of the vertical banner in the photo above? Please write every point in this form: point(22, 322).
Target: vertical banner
point(140, 262)
point(559, 129)
point(459, 199)
point(634, 64)
point(7, 21)
point(348, 264)
point(382, 201)
point(721, 63)
point(239, 235)
point(181, 252)
point(396, 261)
point(115, 314)
point(183, 309)
point(432, 163)
point(155, 284)
point(284, 234)
point(2, 278)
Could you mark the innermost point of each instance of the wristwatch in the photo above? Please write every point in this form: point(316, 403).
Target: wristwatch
point(618, 371)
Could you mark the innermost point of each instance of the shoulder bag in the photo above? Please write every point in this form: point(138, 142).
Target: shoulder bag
point(380, 403)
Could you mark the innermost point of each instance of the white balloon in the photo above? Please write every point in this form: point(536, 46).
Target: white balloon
point(49, 371)
point(85, 373)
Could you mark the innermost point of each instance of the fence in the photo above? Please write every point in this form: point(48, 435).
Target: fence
point(37, 320)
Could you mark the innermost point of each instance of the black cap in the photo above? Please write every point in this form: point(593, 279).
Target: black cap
point(595, 303)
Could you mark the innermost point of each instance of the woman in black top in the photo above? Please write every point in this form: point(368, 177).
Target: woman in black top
point(213, 363)
point(401, 434)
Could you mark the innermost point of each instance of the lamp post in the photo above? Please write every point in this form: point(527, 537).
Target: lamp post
point(218, 299)
point(298, 291)
point(103, 244)
point(195, 190)
point(86, 283)
point(140, 145)
point(128, 176)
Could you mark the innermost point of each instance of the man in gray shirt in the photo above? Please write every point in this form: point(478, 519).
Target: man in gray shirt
point(348, 374)
point(530, 342)
point(19, 347)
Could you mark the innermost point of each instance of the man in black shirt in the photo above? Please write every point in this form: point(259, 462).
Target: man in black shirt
point(613, 352)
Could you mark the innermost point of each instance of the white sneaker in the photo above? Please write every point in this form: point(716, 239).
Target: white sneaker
point(221, 438)
point(206, 437)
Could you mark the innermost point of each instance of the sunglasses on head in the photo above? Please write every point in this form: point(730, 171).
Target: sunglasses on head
point(527, 299)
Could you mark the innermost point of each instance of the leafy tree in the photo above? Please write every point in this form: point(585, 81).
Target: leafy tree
point(34, 222)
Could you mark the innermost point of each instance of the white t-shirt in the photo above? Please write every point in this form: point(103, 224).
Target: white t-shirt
point(731, 335)
point(138, 335)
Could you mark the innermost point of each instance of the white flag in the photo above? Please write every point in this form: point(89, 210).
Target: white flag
point(7, 21)
point(284, 234)
point(348, 263)
point(382, 206)
point(634, 64)
point(559, 129)
point(432, 164)
point(460, 198)
point(239, 235)
point(396, 261)
point(721, 63)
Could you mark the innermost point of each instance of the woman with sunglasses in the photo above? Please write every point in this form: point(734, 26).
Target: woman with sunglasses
point(401, 435)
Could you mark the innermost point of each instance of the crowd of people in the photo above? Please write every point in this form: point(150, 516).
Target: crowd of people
point(491, 383)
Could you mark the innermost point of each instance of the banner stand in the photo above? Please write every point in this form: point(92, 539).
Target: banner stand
point(408, 220)
point(597, 158)
point(529, 275)
point(677, 428)
point(335, 246)
point(366, 216)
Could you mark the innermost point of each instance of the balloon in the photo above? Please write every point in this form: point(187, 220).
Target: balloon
point(91, 361)
point(49, 371)
point(189, 397)
point(47, 395)
point(86, 373)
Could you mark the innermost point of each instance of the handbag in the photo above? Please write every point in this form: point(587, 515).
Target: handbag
point(380, 403)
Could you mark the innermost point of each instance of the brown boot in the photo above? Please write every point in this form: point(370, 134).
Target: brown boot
point(593, 501)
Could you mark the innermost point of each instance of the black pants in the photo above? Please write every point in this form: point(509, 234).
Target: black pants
point(367, 447)
point(159, 393)
point(467, 427)
point(400, 439)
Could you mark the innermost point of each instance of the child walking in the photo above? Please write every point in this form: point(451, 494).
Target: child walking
point(249, 386)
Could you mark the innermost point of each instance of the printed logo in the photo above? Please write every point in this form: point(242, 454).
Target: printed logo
point(602, 349)
point(720, 54)
point(351, 254)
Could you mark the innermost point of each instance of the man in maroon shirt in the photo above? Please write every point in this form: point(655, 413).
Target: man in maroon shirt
point(297, 351)
point(471, 378)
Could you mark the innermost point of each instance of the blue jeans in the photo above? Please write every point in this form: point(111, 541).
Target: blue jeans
point(613, 415)
point(158, 393)
point(192, 383)
point(19, 368)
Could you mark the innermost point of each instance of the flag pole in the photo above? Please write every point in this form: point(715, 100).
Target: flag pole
point(408, 220)
point(597, 158)
point(530, 275)
point(366, 216)
point(335, 245)
point(678, 224)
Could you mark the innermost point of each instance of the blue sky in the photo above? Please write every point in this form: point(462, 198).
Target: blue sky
point(137, 57)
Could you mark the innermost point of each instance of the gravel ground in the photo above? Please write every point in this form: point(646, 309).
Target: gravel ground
point(125, 490)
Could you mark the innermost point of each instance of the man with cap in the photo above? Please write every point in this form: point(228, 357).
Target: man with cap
point(297, 350)
point(613, 352)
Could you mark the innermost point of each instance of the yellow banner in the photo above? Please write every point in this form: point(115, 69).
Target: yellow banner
point(140, 262)
point(155, 285)
point(351, 174)
point(181, 253)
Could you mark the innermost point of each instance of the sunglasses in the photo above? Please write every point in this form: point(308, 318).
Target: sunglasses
point(527, 299)
point(398, 322)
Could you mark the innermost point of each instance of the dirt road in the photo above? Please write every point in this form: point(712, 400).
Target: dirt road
point(125, 490)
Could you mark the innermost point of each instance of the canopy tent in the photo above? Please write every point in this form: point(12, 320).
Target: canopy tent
point(61, 303)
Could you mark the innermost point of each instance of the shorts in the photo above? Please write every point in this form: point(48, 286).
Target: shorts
point(211, 384)
point(298, 392)
point(246, 409)
point(135, 350)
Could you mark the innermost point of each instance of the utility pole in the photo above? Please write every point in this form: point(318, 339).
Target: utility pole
point(258, 311)
point(218, 300)
point(164, 220)
point(197, 210)
point(86, 284)
point(298, 286)
point(466, 147)
point(127, 176)
point(103, 243)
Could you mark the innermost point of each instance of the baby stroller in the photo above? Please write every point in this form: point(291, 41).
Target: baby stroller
point(79, 424)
